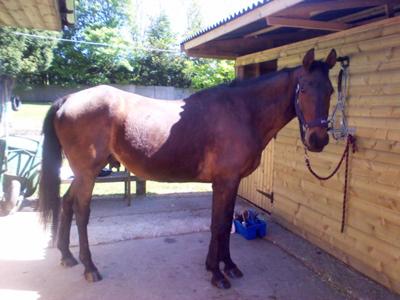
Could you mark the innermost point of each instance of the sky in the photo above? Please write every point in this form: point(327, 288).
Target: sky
point(212, 11)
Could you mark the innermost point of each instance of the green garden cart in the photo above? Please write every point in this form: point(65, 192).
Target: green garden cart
point(20, 168)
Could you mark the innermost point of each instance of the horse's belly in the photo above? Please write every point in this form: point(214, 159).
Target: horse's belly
point(169, 171)
point(184, 162)
point(172, 162)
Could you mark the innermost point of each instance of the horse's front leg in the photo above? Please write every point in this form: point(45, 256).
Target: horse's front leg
point(82, 213)
point(224, 196)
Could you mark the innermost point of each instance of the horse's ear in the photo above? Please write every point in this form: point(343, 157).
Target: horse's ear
point(308, 59)
point(331, 59)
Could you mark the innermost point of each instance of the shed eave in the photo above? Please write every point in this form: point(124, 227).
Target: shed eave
point(268, 9)
point(274, 23)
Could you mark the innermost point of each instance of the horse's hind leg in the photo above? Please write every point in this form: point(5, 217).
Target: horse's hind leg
point(83, 191)
point(67, 259)
point(224, 196)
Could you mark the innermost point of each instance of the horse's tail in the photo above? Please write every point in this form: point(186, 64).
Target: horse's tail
point(49, 185)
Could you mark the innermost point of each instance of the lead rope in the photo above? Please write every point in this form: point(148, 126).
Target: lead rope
point(350, 140)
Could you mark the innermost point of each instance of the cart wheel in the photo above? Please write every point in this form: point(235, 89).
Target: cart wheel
point(16, 103)
point(12, 190)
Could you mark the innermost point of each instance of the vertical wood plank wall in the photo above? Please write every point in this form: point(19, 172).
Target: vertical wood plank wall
point(371, 241)
point(260, 179)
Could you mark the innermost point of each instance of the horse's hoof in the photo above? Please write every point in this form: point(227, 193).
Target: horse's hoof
point(69, 262)
point(233, 273)
point(93, 276)
point(221, 283)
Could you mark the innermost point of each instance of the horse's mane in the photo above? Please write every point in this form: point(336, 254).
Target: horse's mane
point(235, 83)
point(317, 64)
point(242, 82)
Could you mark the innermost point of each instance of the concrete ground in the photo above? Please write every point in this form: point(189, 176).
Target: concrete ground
point(156, 249)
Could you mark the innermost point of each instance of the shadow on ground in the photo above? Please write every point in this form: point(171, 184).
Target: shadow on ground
point(156, 249)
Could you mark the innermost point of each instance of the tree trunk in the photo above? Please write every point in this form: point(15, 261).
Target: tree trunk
point(6, 86)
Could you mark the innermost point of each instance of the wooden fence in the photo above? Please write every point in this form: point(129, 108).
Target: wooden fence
point(312, 208)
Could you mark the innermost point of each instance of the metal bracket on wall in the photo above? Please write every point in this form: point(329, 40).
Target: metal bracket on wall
point(270, 196)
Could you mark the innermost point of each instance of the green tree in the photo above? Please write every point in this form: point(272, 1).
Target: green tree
point(194, 18)
point(22, 55)
point(83, 64)
point(204, 73)
point(108, 22)
point(105, 13)
point(159, 34)
point(160, 66)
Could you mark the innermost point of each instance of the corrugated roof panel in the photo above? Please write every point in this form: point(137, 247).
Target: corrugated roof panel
point(228, 19)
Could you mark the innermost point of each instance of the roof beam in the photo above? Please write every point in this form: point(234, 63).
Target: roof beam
point(232, 47)
point(210, 53)
point(241, 46)
point(308, 24)
point(307, 9)
point(262, 31)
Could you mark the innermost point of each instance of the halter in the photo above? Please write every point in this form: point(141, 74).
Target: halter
point(303, 124)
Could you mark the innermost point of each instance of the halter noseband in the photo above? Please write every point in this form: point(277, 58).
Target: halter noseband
point(304, 125)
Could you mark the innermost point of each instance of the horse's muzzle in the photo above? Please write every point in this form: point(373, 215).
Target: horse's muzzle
point(316, 142)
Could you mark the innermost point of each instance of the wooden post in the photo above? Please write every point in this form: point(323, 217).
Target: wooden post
point(128, 190)
point(140, 187)
point(389, 11)
point(239, 72)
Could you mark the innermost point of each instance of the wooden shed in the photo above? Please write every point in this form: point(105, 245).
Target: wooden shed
point(276, 34)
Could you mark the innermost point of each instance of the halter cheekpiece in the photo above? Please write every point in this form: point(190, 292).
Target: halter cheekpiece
point(304, 125)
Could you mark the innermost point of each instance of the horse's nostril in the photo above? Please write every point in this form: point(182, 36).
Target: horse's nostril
point(313, 140)
point(317, 142)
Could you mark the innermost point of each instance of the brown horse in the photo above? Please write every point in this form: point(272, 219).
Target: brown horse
point(216, 135)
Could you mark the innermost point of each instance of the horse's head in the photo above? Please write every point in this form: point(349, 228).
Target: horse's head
point(313, 94)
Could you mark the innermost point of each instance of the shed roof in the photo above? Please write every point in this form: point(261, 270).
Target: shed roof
point(274, 23)
point(37, 14)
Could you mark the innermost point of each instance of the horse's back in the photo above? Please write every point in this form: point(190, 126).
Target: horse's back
point(165, 140)
point(142, 133)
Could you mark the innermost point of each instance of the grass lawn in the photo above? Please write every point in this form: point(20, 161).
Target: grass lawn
point(28, 121)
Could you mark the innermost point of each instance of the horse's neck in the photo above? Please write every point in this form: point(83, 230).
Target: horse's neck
point(274, 107)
